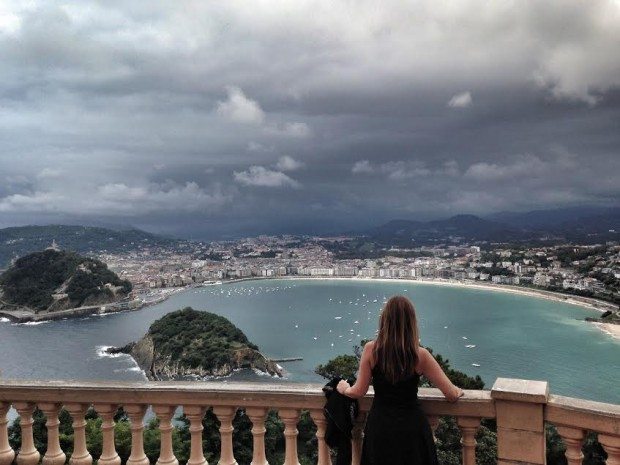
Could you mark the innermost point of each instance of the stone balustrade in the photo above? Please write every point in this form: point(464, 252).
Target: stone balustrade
point(520, 408)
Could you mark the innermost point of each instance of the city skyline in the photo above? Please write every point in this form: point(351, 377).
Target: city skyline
point(212, 119)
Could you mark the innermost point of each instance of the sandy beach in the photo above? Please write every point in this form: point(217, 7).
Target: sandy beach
point(609, 328)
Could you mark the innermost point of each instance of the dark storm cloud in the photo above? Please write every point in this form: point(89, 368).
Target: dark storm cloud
point(227, 118)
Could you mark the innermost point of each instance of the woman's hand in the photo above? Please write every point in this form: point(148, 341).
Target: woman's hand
point(458, 393)
point(342, 386)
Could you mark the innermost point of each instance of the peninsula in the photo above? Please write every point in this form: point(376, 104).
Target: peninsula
point(189, 344)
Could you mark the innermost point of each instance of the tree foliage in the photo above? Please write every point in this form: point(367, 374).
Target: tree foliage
point(32, 279)
point(195, 338)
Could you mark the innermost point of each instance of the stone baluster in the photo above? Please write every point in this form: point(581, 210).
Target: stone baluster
point(108, 450)
point(80, 454)
point(321, 424)
point(7, 454)
point(225, 415)
point(28, 454)
point(136, 412)
point(433, 421)
point(195, 414)
point(468, 427)
point(519, 410)
point(165, 413)
point(611, 444)
point(357, 434)
point(54, 454)
point(573, 439)
point(257, 416)
point(290, 417)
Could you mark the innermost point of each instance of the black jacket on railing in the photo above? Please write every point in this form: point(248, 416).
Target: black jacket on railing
point(340, 412)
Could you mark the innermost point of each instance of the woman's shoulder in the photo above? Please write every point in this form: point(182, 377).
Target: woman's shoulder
point(368, 352)
point(370, 344)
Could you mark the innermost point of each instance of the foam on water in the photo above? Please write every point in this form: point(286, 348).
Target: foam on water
point(102, 352)
point(32, 323)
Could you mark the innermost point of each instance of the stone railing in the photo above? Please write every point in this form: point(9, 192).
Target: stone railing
point(520, 408)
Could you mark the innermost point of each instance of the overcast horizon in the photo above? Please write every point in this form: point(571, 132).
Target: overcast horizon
point(212, 119)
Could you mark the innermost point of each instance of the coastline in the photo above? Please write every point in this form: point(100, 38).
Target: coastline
point(586, 302)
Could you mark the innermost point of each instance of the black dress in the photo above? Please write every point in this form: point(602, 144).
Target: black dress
point(397, 431)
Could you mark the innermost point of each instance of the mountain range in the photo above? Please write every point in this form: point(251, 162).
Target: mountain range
point(585, 225)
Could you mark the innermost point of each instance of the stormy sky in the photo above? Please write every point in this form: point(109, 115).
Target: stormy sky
point(218, 119)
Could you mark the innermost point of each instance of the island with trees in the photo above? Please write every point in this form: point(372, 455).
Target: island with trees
point(190, 344)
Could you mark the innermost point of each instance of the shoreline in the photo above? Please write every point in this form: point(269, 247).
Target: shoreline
point(586, 302)
point(590, 303)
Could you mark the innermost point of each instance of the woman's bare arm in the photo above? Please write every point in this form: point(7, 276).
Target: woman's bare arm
point(432, 370)
point(360, 388)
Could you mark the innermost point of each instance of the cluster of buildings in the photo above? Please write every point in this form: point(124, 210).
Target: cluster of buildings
point(269, 257)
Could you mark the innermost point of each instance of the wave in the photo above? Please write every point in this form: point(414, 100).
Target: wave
point(32, 323)
point(102, 352)
point(4, 320)
point(136, 368)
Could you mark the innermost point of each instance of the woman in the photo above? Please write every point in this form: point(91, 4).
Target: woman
point(397, 431)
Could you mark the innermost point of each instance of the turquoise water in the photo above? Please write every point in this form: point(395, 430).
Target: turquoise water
point(515, 336)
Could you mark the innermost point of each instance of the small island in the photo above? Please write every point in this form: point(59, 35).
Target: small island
point(53, 282)
point(190, 344)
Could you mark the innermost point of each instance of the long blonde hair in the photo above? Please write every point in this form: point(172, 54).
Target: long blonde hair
point(396, 347)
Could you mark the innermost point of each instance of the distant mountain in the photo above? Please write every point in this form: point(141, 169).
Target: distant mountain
point(583, 224)
point(18, 241)
point(53, 280)
point(592, 219)
point(468, 227)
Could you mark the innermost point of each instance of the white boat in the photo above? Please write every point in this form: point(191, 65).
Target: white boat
point(464, 337)
point(475, 364)
point(337, 318)
point(470, 346)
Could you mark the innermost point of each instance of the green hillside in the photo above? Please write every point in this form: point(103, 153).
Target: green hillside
point(20, 241)
point(55, 280)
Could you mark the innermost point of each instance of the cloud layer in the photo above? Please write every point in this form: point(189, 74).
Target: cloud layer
point(226, 118)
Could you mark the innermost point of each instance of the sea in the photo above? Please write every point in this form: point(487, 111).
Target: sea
point(481, 332)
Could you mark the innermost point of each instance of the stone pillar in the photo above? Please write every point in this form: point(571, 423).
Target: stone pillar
point(257, 416)
point(195, 414)
point(357, 434)
point(80, 454)
point(321, 424)
point(6, 453)
point(290, 417)
point(225, 415)
point(166, 455)
point(611, 444)
point(28, 454)
point(54, 454)
point(469, 427)
point(573, 439)
point(108, 450)
point(136, 412)
point(519, 407)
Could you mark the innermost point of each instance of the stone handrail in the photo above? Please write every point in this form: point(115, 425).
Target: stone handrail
point(520, 408)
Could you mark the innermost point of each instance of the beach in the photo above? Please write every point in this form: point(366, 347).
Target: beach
point(609, 328)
